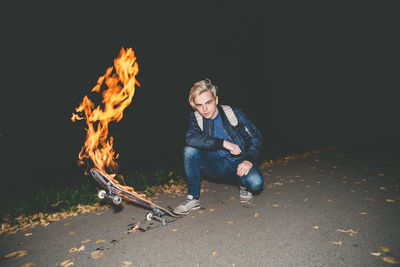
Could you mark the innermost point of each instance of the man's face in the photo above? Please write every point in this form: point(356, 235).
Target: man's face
point(206, 105)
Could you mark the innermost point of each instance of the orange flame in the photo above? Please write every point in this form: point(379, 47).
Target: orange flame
point(115, 98)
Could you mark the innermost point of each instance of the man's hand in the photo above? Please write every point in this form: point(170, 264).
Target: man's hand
point(233, 148)
point(244, 168)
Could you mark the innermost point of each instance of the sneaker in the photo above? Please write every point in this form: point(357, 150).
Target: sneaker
point(189, 204)
point(244, 195)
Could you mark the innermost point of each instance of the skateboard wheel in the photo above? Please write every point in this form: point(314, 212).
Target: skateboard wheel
point(117, 200)
point(164, 221)
point(101, 194)
point(149, 216)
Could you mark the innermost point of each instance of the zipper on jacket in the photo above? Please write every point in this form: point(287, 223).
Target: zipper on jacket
point(247, 130)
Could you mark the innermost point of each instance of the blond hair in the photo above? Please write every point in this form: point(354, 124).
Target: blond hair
point(200, 87)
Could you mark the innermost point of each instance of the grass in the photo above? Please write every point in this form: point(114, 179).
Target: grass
point(67, 198)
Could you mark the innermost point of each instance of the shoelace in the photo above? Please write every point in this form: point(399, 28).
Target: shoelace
point(186, 201)
point(243, 192)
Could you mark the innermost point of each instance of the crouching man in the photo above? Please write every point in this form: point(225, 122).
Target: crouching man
point(221, 143)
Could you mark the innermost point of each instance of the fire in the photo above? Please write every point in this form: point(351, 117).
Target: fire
point(134, 229)
point(117, 90)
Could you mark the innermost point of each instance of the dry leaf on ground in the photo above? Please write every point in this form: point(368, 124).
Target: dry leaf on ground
point(100, 241)
point(72, 250)
point(363, 213)
point(214, 253)
point(275, 205)
point(391, 260)
point(29, 264)
point(256, 215)
point(232, 198)
point(17, 254)
point(229, 222)
point(316, 227)
point(377, 254)
point(28, 234)
point(384, 249)
point(67, 263)
point(127, 263)
point(390, 200)
point(339, 243)
point(351, 231)
point(85, 241)
point(97, 254)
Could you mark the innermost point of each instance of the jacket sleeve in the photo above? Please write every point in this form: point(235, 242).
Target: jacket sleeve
point(195, 137)
point(251, 135)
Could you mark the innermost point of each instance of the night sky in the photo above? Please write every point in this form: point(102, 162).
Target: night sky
point(307, 74)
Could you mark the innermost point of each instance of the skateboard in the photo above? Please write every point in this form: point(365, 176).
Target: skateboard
point(116, 192)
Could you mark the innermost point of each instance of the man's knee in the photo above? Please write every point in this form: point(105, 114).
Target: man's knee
point(190, 152)
point(255, 181)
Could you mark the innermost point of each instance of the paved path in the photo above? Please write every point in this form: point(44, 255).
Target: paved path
point(332, 208)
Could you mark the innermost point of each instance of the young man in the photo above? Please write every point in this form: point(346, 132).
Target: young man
point(218, 149)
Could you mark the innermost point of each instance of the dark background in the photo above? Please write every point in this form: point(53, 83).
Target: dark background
point(308, 75)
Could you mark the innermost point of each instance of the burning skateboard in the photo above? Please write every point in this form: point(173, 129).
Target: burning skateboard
point(116, 192)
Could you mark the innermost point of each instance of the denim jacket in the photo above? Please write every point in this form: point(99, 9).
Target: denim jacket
point(245, 134)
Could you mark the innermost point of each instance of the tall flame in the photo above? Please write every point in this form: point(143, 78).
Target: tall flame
point(118, 94)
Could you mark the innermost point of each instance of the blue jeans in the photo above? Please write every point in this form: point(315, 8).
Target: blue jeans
point(197, 161)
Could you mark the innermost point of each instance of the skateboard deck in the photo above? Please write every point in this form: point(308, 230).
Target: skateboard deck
point(116, 192)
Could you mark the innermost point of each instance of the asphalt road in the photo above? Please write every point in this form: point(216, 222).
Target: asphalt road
point(333, 208)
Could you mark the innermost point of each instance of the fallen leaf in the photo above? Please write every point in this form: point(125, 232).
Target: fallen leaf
point(275, 205)
point(316, 227)
point(17, 254)
point(211, 210)
point(67, 263)
point(390, 200)
point(174, 230)
point(127, 263)
point(381, 174)
point(377, 254)
point(71, 233)
point(28, 234)
point(100, 241)
point(390, 260)
point(232, 198)
point(382, 188)
point(72, 250)
point(256, 215)
point(351, 231)
point(229, 222)
point(339, 243)
point(370, 199)
point(214, 253)
point(384, 249)
point(330, 200)
point(363, 213)
point(85, 241)
point(267, 204)
point(82, 248)
point(306, 199)
point(97, 254)
point(29, 264)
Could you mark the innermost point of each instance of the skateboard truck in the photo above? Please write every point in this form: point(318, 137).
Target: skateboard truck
point(157, 215)
point(116, 199)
